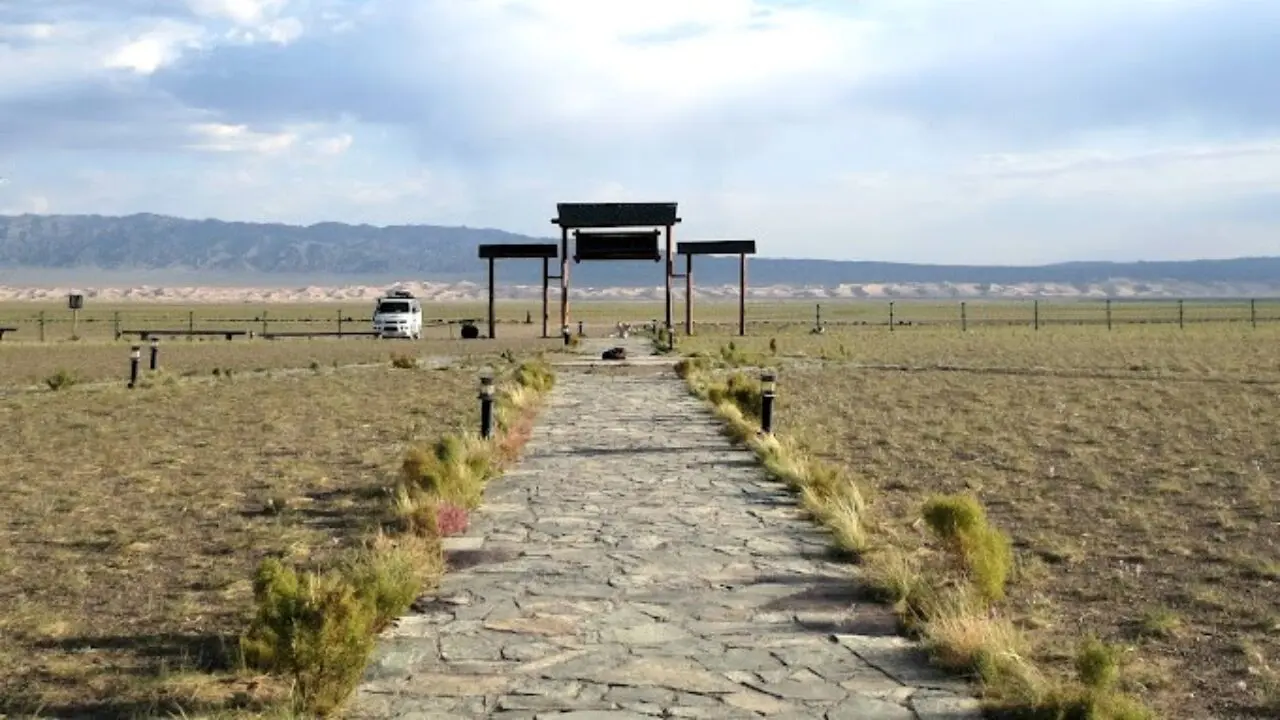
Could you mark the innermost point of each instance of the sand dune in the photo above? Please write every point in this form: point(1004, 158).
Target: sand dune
point(472, 292)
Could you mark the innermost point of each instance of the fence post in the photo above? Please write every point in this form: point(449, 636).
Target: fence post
point(191, 324)
point(890, 316)
point(1253, 313)
point(1108, 313)
point(115, 324)
point(1036, 310)
point(1180, 327)
point(41, 326)
point(817, 316)
point(339, 322)
point(964, 318)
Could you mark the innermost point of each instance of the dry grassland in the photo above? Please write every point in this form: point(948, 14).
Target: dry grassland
point(133, 521)
point(27, 365)
point(1136, 472)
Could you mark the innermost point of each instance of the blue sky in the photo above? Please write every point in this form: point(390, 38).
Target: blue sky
point(909, 130)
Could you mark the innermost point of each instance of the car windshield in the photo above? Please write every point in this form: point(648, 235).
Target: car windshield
point(393, 306)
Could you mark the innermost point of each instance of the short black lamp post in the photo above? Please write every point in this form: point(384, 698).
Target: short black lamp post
point(564, 332)
point(486, 403)
point(135, 355)
point(768, 386)
point(155, 353)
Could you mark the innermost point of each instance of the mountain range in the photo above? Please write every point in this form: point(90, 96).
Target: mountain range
point(449, 254)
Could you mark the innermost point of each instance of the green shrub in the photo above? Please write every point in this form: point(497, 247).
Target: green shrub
point(985, 552)
point(390, 574)
point(1097, 664)
point(313, 627)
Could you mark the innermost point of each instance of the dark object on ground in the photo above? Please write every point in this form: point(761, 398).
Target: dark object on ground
point(617, 353)
point(470, 332)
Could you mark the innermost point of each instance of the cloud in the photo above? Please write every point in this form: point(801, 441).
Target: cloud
point(895, 129)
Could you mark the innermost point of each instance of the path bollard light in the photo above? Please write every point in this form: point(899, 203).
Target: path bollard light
point(564, 332)
point(486, 403)
point(135, 354)
point(768, 385)
point(155, 353)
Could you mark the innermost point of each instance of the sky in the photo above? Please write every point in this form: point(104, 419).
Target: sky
point(963, 131)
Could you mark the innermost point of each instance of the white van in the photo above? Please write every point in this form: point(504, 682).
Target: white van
point(398, 315)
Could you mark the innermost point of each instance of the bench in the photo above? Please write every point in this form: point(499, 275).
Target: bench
point(148, 334)
point(4, 330)
point(321, 333)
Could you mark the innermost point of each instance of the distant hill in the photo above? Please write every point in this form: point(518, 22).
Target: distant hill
point(448, 254)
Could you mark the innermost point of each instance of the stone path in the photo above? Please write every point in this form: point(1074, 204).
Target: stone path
point(636, 565)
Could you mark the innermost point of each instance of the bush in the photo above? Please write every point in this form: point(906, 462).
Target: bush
point(314, 628)
point(983, 552)
point(691, 365)
point(741, 390)
point(403, 362)
point(390, 574)
point(535, 375)
point(451, 519)
point(455, 468)
point(61, 379)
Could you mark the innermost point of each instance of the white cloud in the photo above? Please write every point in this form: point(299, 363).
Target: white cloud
point(218, 137)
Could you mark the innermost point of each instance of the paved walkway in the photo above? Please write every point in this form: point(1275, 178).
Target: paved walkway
point(636, 565)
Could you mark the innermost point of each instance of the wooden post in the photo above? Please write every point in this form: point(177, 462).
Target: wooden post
point(191, 324)
point(964, 318)
point(1036, 322)
point(492, 333)
point(817, 316)
point(41, 326)
point(688, 294)
point(671, 270)
point(115, 324)
point(1253, 313)
point(564, 277)
point(339, 322)
point(890, 316)
point(546, 270)
point(1180, 326)
point(742, 294)
point(1108, 313)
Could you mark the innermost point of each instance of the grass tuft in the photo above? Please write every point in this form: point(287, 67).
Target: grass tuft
point(983, 551)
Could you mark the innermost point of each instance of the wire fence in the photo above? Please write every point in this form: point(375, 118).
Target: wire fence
point(896, 314)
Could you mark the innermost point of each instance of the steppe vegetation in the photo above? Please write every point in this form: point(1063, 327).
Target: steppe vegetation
point(230, 543)
point(1084, 520)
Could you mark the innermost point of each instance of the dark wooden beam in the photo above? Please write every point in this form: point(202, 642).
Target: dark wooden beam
point(615, 215)
point(519, 251)
point(637, 245)
point(717, 247)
